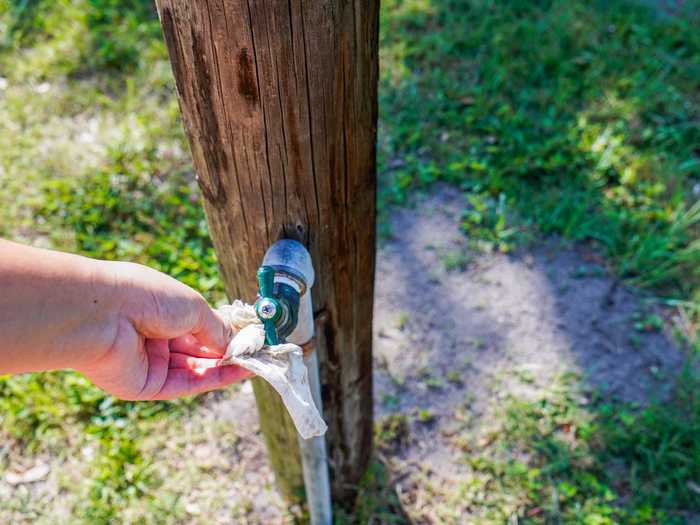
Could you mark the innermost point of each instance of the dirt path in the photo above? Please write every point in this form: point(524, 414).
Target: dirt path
point(458, 341)
point(548, 309)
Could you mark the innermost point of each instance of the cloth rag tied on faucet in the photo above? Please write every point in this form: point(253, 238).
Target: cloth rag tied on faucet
point(280, 365)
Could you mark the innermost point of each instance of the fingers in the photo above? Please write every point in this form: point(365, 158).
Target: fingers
point(190, 345)
point(186, 381)
point(158, 355)
point(178, 360)
point(161, 307)
point(211, 330)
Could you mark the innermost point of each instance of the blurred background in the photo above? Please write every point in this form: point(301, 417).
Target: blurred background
point(544, 156)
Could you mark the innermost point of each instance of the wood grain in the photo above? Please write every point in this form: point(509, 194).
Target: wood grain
point(280, 105)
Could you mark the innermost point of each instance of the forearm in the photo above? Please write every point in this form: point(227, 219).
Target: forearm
point(56, 309)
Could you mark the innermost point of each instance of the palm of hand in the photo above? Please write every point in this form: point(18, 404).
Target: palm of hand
point(141, 368)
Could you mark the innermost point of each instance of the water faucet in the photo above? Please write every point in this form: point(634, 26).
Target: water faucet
point(284, 300)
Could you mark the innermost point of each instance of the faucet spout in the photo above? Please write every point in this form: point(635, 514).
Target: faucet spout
point(286, 278)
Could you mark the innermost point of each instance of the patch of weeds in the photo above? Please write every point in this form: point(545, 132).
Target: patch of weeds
point(37, 409)
point(62, 413)
point(478, 343)
point(659, 443)
point(455, 260)
point(563, 460)
point(115, 34)
point(429, 379)
point(455, 377)
point(647, 323)
point(425, 416)
point(486, 224)
point(377, 501)
point(120, 474)
point(390, 401)
point(433, 382)
point(391, 432)
point(402, 320)
point(136, 217)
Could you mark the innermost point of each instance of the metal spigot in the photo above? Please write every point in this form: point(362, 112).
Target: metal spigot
point(283, 282)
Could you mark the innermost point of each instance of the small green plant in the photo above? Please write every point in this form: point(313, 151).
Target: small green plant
point(478, 343)
point(402, 320)
point(377, 500)
point(647, 323)
point(425, 416)
point(486, 224)
point(455, 377)
point(429, 379)
point(390, 401)
point(434, 383)
point(392, 431)
point(455, 260)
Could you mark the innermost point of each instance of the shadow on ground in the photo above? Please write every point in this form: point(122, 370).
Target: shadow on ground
point(459, 335)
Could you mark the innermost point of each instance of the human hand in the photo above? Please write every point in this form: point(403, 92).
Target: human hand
point(165, 339)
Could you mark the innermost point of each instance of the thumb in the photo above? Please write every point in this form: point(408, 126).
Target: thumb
point(212, 331)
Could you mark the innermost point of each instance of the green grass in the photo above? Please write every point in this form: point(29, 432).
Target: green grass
point(573, 461)
point(574, 118)
point(577, 118)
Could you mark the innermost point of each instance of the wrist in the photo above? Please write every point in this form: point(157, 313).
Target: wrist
point(57, 310)
point(103, 300)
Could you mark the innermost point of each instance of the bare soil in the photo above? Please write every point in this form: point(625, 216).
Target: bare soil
point(549, 308)
point(462, 339)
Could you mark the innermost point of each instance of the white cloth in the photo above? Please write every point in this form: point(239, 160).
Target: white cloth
point(280, 365)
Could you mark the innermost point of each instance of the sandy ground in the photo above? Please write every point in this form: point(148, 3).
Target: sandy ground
point(462, 340)
point(551, 308)
point(441, 336)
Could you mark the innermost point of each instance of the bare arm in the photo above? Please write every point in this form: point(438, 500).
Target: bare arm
point(133, 331)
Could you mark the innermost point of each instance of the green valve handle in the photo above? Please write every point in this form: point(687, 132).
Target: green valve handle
point(268, 309)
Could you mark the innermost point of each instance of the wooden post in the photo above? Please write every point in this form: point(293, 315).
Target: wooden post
point(280, 106)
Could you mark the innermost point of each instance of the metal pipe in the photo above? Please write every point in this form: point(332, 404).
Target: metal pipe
point(293, 264)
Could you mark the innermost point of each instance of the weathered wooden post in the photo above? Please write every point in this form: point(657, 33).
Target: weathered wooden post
point(279, 102)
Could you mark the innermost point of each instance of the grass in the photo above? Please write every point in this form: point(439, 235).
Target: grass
point(580, 119)
point(566, 458)
point(576, 118)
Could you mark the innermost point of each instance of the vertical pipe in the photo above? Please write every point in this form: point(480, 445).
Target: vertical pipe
point(314, 458)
